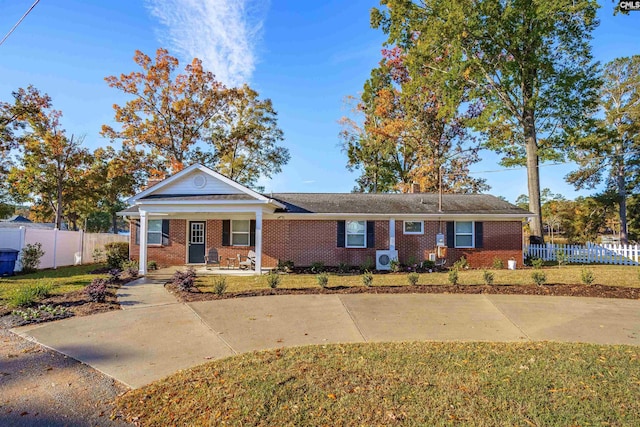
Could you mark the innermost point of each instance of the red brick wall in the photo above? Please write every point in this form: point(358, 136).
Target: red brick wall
point(307, 241)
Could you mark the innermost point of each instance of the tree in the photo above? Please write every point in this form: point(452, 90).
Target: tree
point(528, 62)
point(611, 149)
point(181, 118)
point(51, 170)
point(406, 136)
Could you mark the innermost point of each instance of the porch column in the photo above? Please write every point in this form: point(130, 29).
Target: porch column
point(392, 234)
point(259, 241)
point(142, 268)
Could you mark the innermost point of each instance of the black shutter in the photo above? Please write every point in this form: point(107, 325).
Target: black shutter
point(137, 224)
point(252, 233)
point(165, 232)
point(226, 232)
point(340, 239)
point(451, 234)
point(478, 232)
point(371, 234)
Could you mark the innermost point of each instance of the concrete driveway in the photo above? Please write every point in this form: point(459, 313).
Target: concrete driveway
point(155, 336)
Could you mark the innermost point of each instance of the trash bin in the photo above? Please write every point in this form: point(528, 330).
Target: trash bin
point(8, 259)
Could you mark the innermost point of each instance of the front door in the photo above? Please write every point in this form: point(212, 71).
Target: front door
point(196, 242)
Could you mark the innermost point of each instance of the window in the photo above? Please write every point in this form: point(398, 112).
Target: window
point(240, 232)
point(413, 227)
point(356, 234)
point(154, 232)
point(464, 234)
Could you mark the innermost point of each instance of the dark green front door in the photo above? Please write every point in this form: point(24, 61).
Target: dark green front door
point(197, 233)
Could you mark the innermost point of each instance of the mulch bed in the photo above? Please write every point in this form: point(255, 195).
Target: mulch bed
point(597, 291)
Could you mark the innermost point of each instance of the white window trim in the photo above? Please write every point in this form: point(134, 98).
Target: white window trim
point(248, 233)
point(404, 228)
point(346, 235)
point(472, 234)
point(150, 232)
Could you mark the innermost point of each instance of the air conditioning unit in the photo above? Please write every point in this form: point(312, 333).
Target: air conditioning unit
point(384, 258)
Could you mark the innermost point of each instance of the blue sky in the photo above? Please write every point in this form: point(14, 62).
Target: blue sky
point(304, 55)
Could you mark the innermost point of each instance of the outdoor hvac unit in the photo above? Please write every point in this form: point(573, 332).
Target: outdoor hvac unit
point(384, 258)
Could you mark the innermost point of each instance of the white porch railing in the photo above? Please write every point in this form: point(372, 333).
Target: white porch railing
point(591, 253)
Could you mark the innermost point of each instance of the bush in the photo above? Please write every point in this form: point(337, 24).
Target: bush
point(114, 275)
point(343, 267)
point(152, 266)
point(454, 277)
point(367, 278)
point(413, 278)
point(488, 277)
point(317, 267)
point(43, 312)
point(323, 280)
point(286, 266)
point(428, 265)
point(587, 276)
point(219, 285)
point(184, 280)
point(97, 290)
point(367, 265)
point(395, 266)
point(117, 253)
point(536, 263)
point(30, 257)
point(539, 278)
point(98, 255)
point(27, 295)
point(562, 258)
point(498, 263)
point(131, 268)
point(461, 264)
point(273, 279)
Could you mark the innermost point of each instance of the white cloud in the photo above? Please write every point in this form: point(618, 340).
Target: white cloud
point(222, 33)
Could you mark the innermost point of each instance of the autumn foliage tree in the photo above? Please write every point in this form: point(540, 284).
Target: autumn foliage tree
point(407, 135)
point(182, 118)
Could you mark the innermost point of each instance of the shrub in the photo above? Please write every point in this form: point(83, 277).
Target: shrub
point(183, 280)
point(286, 266)
point(30, 257)
point(117, 253)
point(413, 278)
point(562, 258)
point(367, 265)
point(367, 278)
point(428, 265)
point(536, 263)
point(98, 255)
point(587, 276)
point(461, 264)
point(219, 285)
point(317, 267)
point(498, 263)
point(131, 268)
point(539, 278)
point(394, 265)
point(152, 265)
point(27, 295)
point(323, 280)
point(488, 277)
point(97, 290)
point(273, 279)
point(343, 267)
point(114, 275)
point(34, 314)
point(454, 277)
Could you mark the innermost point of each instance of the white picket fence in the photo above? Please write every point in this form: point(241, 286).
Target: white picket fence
point(591, 253)
point(60, 247)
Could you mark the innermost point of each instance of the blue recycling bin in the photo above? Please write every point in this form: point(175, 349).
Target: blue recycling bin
point(8, 259)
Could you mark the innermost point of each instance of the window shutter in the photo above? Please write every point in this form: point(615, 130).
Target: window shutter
point(451, 234)
point(137, 224)
point(478, 233)
point(340, 239)
point(371, 234)
point(252, 233)
point(226, 232)
point(165, 232)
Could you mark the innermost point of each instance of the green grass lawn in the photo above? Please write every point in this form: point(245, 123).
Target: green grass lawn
point(61, 280)
point(480, 384)
point(604, 275)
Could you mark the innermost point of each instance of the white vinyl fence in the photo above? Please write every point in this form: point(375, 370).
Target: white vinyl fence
point(591, 253)
point(60, 247)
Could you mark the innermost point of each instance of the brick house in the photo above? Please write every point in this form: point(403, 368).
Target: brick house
point(178, 220)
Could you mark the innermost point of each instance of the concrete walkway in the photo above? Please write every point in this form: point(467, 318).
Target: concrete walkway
point(155, 336)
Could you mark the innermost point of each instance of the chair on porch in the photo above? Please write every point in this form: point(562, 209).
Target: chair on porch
point(247, 262)
point(212, 258)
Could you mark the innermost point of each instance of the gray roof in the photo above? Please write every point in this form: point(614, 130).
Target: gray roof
point(384, 203)
point(17, 218)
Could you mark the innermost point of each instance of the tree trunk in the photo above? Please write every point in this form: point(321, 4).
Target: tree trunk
point(114, 222)
point(533, 172)
point(622, 200)
point(59, 205)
